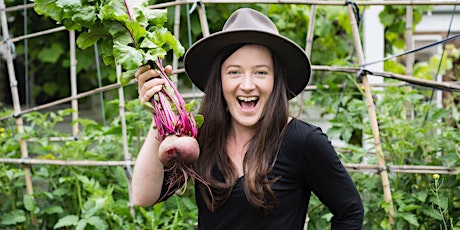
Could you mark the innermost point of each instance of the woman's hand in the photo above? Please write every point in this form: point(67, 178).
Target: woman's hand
point(149, 82)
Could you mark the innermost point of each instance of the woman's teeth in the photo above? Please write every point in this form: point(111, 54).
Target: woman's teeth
point(247, 99)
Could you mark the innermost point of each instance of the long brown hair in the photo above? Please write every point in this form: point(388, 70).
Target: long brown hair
point(263, 147)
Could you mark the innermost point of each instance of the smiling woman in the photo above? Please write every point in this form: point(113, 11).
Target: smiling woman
point(259, 165)
point(247, 82)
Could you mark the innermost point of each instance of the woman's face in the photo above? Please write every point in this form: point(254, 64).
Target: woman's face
point(247, 82)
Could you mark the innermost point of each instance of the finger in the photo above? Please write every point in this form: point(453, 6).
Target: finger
point(141, 70)
point(150, 88)
point(147, 96)
point(168, 69)
point(146, 76)
point(150, 93)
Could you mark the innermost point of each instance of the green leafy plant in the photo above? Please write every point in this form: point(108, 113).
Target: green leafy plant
point(131, 33)
point(81, 197)
point(440, 206)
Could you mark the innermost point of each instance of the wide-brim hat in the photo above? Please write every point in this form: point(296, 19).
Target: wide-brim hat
point(246, 26)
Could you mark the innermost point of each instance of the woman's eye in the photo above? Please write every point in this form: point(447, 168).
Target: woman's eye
point(261, 73)
point(233, 72)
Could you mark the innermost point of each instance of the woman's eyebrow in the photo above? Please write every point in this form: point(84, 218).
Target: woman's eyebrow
point(263, 65)
point(232, 65)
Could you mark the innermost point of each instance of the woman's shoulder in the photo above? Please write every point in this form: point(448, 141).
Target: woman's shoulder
point(300, 126)
point(305, 132)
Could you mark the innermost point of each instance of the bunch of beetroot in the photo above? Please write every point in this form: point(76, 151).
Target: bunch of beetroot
point(170, 113)
point(177, 132)
point(176, 125)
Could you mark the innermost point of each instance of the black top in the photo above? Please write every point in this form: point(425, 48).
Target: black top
point(307, 162)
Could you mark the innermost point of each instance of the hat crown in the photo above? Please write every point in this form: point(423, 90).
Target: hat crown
point(249, 19)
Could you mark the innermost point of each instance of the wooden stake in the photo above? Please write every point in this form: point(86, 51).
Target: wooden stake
point(311, 26)
point(372, 116)
point(409, 42)
point(37, 34)
point(16, 103)
point(202, 15)
point(410, 56)
point(312, 2)
point(124, 133)
point(73, 81)
point(308, 45)
point(363, 168)
point(175, 61)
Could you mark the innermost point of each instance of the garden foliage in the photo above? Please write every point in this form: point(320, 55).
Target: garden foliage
point(413, 129)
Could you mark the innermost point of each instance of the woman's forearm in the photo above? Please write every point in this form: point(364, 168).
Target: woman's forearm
point(148, 172)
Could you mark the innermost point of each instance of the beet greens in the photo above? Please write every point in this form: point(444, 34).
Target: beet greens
point(131, 34)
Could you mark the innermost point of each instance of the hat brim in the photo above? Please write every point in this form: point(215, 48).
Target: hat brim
point(200, 56)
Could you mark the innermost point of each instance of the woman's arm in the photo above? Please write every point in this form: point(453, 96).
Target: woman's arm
point(148, 172)
point(332, 184)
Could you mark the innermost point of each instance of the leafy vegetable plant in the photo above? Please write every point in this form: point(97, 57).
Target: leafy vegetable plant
point(131, 34)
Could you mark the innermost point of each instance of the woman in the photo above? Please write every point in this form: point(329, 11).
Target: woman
point(261, 164)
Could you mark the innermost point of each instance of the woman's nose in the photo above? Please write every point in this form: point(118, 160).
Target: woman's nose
point(247, 82)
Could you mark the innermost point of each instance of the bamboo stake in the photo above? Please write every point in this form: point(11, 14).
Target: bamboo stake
point(308, 45)
point(127, 155)
point(312, 2)
point(407, 169)
point(202, 15)
point(309, 42)
point(19, 7)
point(363, 168)
point(175, 62)
point(65, 162)
point(73, 81)
point(410, 79)
point(410, 56)
point(409, 42)
point(32, 35)
point(372, 116)
point(303, 2)
point(16, 104)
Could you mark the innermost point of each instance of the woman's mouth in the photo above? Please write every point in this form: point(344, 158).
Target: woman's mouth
point(247, 102)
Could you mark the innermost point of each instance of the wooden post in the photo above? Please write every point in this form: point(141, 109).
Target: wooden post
point(409, 57)
point(16, 103)
point(372, 117)
point(73, 81)
point(308, 45)
point(311, 26)
point(409, 41)
point(127, 155)
point(175, 61)
point(202, 15)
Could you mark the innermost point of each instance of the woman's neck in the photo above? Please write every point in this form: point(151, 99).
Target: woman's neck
point(237, 145)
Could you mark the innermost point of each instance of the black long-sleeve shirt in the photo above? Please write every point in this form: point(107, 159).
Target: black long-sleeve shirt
point(306, 163)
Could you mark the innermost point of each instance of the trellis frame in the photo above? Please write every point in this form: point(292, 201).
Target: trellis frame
point(381, 168)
